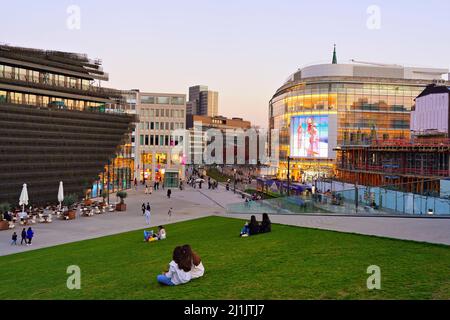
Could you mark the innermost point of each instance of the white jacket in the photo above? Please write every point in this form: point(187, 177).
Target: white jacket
point(197, 271)
point(177, 275)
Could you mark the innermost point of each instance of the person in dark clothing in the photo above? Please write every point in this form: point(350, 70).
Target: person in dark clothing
point(266, 225)
point(24, 236)
point(143, 208)
point(14, 239)
point(148, 206)
point(7, 216)
point(169, 192)
point(253, 226)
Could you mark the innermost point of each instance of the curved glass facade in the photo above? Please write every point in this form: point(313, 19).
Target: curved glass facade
point(361, 108)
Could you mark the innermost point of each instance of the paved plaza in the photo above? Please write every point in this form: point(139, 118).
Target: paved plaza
point(196, 203)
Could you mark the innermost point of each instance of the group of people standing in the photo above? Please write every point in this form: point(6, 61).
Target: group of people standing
point(212, 184)
point(26, 235)
point(146, 211)
point(185, 266)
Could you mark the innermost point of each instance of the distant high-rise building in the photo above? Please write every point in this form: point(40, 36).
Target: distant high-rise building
point(202, 101)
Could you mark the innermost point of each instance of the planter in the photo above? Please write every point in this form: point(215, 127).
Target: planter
point(4, 225)
point(121, 207)
point(72, 214)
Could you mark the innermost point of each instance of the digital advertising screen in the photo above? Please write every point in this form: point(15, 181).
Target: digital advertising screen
point(309, 136)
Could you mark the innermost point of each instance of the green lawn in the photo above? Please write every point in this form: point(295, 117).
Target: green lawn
point(289, 263)
point(217, 175)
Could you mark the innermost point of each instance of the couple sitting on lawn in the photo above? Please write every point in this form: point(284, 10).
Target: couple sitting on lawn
point(149, 236)
point(185, 266)
point(254, 227)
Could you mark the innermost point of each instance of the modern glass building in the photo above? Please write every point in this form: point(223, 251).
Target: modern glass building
point(323, 106)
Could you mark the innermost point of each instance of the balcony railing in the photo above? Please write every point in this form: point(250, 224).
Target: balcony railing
point(66, 86)
point(51, 106)
point(394, 169)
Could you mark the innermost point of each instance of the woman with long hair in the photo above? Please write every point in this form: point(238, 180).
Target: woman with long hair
point(197, 268)
point(253, 226)
point(179, 268)
point(266, 225)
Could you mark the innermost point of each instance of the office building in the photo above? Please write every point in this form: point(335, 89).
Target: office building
point(160, 116)
point(202, 101)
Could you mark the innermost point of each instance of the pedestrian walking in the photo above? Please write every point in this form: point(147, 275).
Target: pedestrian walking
point(169, 213)
point(147, 213)
point(146, 189)
point(24, 236)
point(30, 235)
point(143, 208)
point(14, 239)
point(169, 193)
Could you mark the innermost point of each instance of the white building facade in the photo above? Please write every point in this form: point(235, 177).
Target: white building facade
point(160, 115)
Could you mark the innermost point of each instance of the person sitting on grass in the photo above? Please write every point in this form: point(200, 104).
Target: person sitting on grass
point(250, 228)
point(162, 235)
point(266, 225)
point(149, 236)
point(179, 269)
point(197, 268)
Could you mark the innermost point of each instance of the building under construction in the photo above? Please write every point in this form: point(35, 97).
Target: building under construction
point(415, 165)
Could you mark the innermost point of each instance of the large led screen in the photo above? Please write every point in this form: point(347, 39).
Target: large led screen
point(309, 136)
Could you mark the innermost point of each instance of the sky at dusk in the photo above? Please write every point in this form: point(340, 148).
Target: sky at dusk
point(243, 49)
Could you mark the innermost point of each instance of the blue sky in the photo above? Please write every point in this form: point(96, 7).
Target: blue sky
point(243, 49)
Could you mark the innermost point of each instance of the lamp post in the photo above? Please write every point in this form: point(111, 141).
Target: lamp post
point(109, 177)
point(289, 176)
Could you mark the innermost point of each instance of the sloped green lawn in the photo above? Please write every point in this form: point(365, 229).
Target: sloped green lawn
point(289, 263)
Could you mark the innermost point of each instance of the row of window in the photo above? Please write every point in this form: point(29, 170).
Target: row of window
point(159, 140)
point(168, 113)
point(44, 77)
point(47, 101)
point(162, 100)
point(161, 125)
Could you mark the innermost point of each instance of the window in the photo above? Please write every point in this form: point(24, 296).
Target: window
point(171, 126)
point(163, 100)
point(146, 139)
point(152, 112)
point(167, 113)
point(152, 140)
point(177, 100)
point(152, 125)
point(156, 125)
point(141, 140)
point(156, 140)
point(8, 72)
point(148, 99)
point(157, 113)
point(166, 140)
point(161, 140)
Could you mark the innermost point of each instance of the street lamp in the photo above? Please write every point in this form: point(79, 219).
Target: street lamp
point(289, 176)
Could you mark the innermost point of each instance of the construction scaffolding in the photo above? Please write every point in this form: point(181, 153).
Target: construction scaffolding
point(416, 165)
